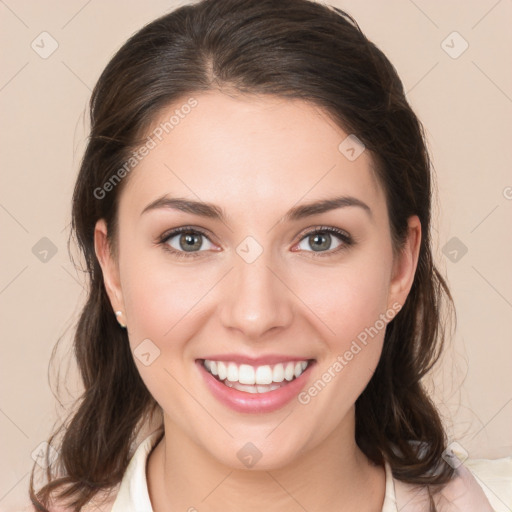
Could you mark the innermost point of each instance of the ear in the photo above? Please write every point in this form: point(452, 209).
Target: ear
point(404, 266)
point(109, 266)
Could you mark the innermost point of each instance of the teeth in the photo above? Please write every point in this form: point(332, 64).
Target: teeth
point(251, 389)
point(289, 371)
point(221, 368)
point(263, 375)
point(278, 373)
point(252, 377)
point(246, 375)
point(232, 373)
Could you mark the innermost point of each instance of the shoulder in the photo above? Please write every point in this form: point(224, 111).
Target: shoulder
point(495, 478)
point(119, 497)
point(478, 485)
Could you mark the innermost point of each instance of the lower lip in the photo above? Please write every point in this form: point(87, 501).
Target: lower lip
point(241, 401)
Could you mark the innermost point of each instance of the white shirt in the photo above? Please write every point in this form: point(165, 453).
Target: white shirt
point(478, 486)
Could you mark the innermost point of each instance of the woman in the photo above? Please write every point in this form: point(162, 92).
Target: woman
point(254, 210)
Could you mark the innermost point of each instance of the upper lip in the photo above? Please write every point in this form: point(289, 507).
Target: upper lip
point(256, 361)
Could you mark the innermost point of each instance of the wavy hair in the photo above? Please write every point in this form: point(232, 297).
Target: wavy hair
point(295, 49)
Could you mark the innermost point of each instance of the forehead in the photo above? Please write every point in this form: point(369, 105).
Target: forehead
point(248, 150)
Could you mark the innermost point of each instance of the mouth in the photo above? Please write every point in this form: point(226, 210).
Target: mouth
point(249, 388)
point(256, 379)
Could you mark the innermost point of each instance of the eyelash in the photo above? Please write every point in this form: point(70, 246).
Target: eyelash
point(345, 238)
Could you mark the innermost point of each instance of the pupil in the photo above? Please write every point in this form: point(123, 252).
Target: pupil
point(317, 237)
point(190, 241)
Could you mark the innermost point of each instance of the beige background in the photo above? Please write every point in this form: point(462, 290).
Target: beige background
point(465, 104)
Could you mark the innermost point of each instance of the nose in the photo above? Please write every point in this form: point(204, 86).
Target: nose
point(257, 298)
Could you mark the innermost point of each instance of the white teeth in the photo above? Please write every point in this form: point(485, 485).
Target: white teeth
point(278, 372)
point(221, 368)
point(251, 377)
point(289, 371)
point(265, 389)
point(251, 389)
point(232, 374)
point(245, 374)
point(241, 387)
point(264, 375)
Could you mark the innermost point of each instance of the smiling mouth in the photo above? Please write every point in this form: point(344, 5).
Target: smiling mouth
point(256, 379)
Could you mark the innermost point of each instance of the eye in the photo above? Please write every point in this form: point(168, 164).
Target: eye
point(189, 242)
point(321, 239)
point(185, 241)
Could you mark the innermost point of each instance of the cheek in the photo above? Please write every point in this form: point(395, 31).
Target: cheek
point(162, 304)
point(347, 299)
point(352, 307)
point(351, 311)
point(159, 295)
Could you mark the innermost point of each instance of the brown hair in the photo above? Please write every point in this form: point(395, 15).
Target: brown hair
point(291, 49)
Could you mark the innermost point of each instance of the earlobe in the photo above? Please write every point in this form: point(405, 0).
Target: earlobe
point(108, 265)
point(405, 264)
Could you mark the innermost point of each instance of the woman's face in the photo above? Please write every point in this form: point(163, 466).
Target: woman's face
point(257, 283)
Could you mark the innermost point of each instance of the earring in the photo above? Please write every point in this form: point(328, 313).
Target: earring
point(118, 315)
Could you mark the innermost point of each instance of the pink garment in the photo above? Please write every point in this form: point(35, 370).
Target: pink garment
point(462, 494)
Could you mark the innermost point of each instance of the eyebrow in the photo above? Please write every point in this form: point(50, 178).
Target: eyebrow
point(296, 213)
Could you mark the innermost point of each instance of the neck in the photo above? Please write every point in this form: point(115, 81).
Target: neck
point(332, 476)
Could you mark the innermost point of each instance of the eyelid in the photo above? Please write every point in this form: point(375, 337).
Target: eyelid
point(170, 233)
point(323, 229)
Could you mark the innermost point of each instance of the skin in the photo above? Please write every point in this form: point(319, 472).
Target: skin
point(256, 157)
